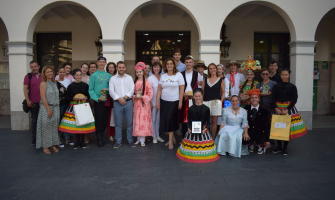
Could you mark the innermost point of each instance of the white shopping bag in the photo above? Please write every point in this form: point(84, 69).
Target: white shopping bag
point(83, 114)
point(112, 121)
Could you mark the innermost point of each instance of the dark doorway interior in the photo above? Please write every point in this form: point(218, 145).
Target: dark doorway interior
point(161, 43)
point(269, 46)
point(54, 49)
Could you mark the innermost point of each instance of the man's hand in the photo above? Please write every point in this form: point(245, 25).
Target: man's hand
point(122, 101)
point(30, 104)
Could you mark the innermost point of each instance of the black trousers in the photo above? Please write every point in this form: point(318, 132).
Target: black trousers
point(34, 114)
point(258, 137)
point(101, 112)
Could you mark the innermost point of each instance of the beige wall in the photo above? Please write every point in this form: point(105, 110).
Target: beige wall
point(84, 33)
point(325, 35)
point(241, 33)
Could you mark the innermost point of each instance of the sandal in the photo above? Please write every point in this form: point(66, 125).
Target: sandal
point(111, 138)
point(46, 151)
point(54, 149)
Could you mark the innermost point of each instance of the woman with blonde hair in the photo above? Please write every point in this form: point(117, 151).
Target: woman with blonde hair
point(48, 116)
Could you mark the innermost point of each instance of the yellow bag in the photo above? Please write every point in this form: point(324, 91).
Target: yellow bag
point(280, 127)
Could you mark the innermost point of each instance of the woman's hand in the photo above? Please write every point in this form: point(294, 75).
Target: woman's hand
point(151, 106)
point(157, 106)
point(189, 131)
point(49, 114)
point(278, 112)
point(246, 137)
point(204, 131)
point(284, 112)
point(180, 105)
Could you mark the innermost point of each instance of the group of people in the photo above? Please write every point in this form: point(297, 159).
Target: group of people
point(233, 113)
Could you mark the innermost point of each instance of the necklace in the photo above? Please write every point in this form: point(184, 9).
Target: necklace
point(235, 112)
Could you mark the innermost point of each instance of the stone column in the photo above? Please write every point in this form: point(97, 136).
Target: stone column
point(20, 54)
point(113, 49)
point(209, 50)
point(302, 67)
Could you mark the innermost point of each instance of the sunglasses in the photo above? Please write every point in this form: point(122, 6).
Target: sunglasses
point(265, 74)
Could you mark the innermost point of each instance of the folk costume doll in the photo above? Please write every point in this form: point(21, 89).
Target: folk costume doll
point(142, 119)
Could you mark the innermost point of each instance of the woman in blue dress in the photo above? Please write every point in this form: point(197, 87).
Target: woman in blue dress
point(233, 129)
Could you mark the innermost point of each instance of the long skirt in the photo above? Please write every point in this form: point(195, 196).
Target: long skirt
point(169, 116)
point(230, 140)
point(198, 149)
point(298, 127)
point(68, 123)
point(110, 129)
point(46, 131)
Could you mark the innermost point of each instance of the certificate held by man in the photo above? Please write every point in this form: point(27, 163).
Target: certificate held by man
point(196, 127)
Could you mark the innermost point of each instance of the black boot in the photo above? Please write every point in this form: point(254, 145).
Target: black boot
point(82, 141)
point(99, 140)
point(279, 147)
point(77, 143)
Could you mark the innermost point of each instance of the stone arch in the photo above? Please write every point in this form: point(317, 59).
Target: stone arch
point(44, 9)
point(164, 1)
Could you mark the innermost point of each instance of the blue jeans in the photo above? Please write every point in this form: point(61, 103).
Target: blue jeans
point(126, 111)
point(62, 110)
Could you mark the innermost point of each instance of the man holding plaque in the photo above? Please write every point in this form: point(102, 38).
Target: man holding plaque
point(191, 83)
point(99, 84)
point(259, 124)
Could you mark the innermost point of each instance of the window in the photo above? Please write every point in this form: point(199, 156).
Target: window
point(54, 49)
point(161, 43)
point(269, 46)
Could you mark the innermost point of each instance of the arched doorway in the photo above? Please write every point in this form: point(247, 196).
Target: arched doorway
point(258, 29)
point(158, 29)
point(65, 32)
point(4, 78)
point(324, 66)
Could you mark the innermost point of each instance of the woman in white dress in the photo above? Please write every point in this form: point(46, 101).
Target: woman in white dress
point(233, 129)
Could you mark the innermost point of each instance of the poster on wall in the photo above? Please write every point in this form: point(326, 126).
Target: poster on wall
point(325, 65)
point(316, 71)
point(315, 95)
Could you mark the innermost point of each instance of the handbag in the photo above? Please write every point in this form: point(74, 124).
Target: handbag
point(83, 114)
point(280, 127)
point(25, 106)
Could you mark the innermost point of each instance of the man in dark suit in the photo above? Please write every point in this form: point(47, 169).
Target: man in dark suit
point(191, 82)
point(259, 123)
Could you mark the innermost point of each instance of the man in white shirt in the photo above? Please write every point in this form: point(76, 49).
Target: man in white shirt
point(191, 82)
point(121, 89)
point(234, 78)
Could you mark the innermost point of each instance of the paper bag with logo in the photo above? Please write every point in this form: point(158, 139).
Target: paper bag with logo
point(280, 127)
point(83, 114)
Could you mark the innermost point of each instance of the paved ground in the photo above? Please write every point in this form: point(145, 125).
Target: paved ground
point(154, 172)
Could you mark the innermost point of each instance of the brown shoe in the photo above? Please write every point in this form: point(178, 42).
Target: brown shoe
point(54, 149)
point(46, 151)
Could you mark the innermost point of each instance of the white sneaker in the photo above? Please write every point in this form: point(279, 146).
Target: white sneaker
point(137, 142)
point(159, 139)
point(143, 144)
point(154, 140)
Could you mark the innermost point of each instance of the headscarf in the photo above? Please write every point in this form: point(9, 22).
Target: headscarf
point(140, 65)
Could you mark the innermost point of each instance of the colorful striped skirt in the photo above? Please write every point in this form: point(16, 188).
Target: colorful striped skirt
point(298, 127)
point(198, 149)
point(68, 123)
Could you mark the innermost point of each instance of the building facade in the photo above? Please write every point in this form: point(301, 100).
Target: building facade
point(299, 34)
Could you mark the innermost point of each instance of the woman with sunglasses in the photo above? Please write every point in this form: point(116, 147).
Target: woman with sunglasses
point(266, 87)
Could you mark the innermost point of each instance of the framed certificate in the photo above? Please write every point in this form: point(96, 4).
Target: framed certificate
point(196, 127)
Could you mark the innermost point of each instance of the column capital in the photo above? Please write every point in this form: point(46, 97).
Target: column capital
point(302, 43)
point(20, 48)
point(112, 42)
point(209, 42)
point(302, 47)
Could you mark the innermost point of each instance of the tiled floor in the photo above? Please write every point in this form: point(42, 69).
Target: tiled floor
point(154, 172)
